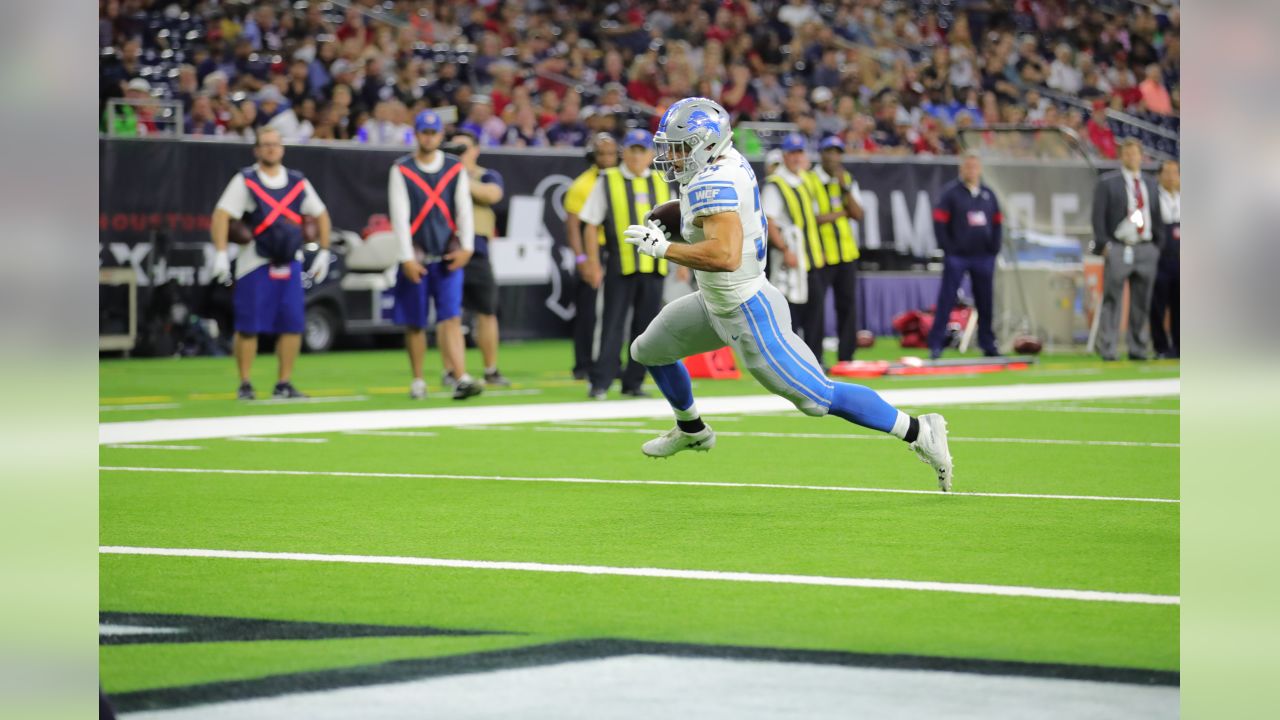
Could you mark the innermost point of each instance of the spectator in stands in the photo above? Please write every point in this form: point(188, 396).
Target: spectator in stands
point(568, 130)
point(1155, 97)
point(274, 112)
point(299, 85)
point(968, 226)
point(524, 132)
point(1063, 75)
point(1099, 132)
point(386, 127)
point(201, 121)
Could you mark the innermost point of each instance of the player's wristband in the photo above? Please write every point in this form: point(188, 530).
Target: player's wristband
point(580, 259)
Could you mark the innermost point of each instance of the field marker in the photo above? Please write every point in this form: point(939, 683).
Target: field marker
point(153, 447)
point(675, 574)
point(254, 438)
point(602, 481)
point(836, 436)
point(453, 416)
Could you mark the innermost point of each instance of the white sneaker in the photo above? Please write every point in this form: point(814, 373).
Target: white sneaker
point(418, 389)
point(931, 447)
point(675, 440)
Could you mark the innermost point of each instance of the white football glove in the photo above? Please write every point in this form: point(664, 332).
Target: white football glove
point(648, 239)
point(319, 266)
point(220, 271)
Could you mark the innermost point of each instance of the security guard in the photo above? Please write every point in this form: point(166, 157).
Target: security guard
point(791, 208)
point(603, 154)
point(632, 281)
point(836, 193)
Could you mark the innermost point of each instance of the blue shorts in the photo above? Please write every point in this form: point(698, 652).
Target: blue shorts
point(270, 300)
point(440, 286)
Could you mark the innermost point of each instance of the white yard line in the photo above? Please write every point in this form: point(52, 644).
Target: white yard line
point(676, 574)
point(1083, 409)
point(393, 433)
point(836, 436)
point(319, 422)
point(258, 439)
point(602, 481)
point(125, 446)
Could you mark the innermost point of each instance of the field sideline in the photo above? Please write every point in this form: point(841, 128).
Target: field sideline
point(276, 551)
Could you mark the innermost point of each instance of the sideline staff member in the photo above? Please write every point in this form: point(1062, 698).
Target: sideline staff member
point(268, 295)
point(1125, 223)
point(836, 193)
point(968, 226)
point(604, 155)
point(479, 288)
point(430, 200)
point(632, 281)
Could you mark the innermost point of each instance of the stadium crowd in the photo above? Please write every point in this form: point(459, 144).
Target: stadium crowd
point(886, 76)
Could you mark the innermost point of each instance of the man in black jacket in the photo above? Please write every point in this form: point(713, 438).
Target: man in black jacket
point(1126, 222)
point(968, 224)
point(1166, 295)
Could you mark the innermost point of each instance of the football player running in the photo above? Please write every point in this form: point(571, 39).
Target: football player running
point(724, 231)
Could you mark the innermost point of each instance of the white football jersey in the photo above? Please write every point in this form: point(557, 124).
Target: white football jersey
point(728, 185)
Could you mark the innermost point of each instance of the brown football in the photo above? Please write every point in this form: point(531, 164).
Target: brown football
point(866, 338)
point(238, 233)
point(1027, 345)
point(667, 215)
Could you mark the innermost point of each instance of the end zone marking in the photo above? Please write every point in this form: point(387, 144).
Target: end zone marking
point(676, 574)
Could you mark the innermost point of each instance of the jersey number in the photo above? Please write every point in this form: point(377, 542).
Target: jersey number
point(764, 222)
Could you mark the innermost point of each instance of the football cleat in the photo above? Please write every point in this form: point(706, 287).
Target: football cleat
point(675, 440)
point(245, 392)
point(931, 447)
point(448, 380)
point(417, 389)
point(595, 394)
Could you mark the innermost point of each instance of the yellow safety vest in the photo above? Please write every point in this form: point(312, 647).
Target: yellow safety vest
point(629, 202)
point(838, 243)
point(800, 207)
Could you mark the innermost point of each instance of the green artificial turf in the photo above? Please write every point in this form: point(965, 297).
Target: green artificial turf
point(507, 514)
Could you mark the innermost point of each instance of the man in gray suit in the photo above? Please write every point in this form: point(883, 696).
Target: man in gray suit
point(1126, 218)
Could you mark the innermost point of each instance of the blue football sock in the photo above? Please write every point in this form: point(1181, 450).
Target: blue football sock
point(863, 406)
point(673, 381)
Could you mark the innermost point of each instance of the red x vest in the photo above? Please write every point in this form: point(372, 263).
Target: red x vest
point(276, 219)
point(431, 207)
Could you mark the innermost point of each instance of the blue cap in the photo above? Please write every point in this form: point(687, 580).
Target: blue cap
point(792, 142)
point(831, 141)
point(637, 137)
point(428, 120)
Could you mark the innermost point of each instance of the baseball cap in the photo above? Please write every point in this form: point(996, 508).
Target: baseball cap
point(793, 142)
point(140, 85)
point(821, 94)
point(269, 93)
point(638, 137)
point(831, 141)
point(428, 120)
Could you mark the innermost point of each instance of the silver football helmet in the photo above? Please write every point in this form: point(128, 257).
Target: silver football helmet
point(691, 134)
